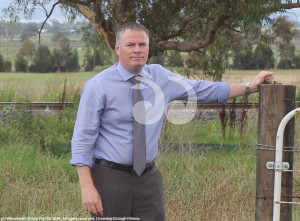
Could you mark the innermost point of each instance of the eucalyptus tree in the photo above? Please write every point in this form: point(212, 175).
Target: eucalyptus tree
point(283, 32)
point(178, 25)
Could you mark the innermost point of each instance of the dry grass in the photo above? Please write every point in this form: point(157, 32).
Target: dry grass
point(209, 187)
point(46, 87)
point(287, 77)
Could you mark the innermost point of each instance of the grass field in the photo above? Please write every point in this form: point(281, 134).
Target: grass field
point(48, 87)
point(216, 184)
point(10, 47)
point(198, 186)
point(286, 77)
point(40, 87)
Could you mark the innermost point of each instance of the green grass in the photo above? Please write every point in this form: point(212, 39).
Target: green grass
point(217, 185)
point(34, 184)
point(208, 133)
point(200, 184)
point(196, 185)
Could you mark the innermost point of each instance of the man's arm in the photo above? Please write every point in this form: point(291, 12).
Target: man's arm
point(239, 89)
point(90, 196)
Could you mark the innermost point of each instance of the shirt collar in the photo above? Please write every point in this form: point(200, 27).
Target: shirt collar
point(126, 75)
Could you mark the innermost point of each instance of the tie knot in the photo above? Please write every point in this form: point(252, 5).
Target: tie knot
point(136, 79)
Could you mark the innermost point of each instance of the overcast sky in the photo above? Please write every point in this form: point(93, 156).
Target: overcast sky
point(293, 14)
point(39, 16)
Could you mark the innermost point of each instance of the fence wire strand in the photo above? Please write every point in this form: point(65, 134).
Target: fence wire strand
point(273, 148)
point(285, 149)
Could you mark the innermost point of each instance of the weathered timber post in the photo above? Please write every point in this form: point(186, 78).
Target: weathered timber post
point(275, 101)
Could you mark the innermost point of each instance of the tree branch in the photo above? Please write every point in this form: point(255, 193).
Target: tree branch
point(82, 2)
point(47, 17)
point(94, 19)
point(201, 43)
point(291, 5)
point(181, 30)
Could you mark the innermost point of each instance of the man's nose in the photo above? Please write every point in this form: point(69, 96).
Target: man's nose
point(137, 48)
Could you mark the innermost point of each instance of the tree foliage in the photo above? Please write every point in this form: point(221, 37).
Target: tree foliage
point(1, 63)
point(4, 65)
point(27, 50)
point(25, 55)
point(244, 60)
point(96, 51)
point(21, 63)
point(261, 58)
point(63, 58)
point(175, 60)
point(42, 60)
point(179, 25)
point(92, 58)
point(187, 25)
point(284, 32)
point(264, 57)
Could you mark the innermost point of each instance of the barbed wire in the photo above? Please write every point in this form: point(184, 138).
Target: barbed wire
point(285, 149)
point(273, 148)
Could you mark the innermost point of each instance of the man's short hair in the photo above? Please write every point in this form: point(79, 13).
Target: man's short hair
point(133, 26)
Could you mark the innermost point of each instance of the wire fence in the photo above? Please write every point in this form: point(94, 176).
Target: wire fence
point(279, 167)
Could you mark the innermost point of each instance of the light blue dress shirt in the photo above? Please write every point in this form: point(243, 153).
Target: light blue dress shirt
point(104, 123)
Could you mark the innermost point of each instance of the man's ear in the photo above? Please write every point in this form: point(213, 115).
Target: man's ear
point(117, 48)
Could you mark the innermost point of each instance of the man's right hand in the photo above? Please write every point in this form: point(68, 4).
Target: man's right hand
point(92, 200)
point(89, 194)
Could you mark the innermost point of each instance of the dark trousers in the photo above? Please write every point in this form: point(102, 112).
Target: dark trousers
point(128, 195)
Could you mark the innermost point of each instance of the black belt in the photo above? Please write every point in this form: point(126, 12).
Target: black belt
point(122, 167)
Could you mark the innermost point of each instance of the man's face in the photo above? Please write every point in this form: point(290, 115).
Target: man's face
point(133, 50)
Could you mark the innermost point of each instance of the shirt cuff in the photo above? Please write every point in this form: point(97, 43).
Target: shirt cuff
point(223, 92)
point(81, 161)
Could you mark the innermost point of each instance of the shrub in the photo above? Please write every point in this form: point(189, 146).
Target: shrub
point(158, 59)
point(1, 63)
point(175, 60)
point(92, 59)
point(42, 60)
point(4, 65)
point(7, 65)
point(20, 63)
point(244, 60)
point(264, 57)
point(49, 132)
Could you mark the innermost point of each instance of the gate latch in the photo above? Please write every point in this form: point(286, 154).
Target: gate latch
point(277, 165)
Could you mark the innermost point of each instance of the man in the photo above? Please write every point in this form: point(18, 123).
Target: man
point(115, 180)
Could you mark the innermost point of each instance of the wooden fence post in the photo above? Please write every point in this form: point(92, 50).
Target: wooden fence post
point(275, 102)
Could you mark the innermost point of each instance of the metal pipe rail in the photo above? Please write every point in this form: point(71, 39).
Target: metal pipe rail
point(42, 106)
point(279, 166)
point(61, 105)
